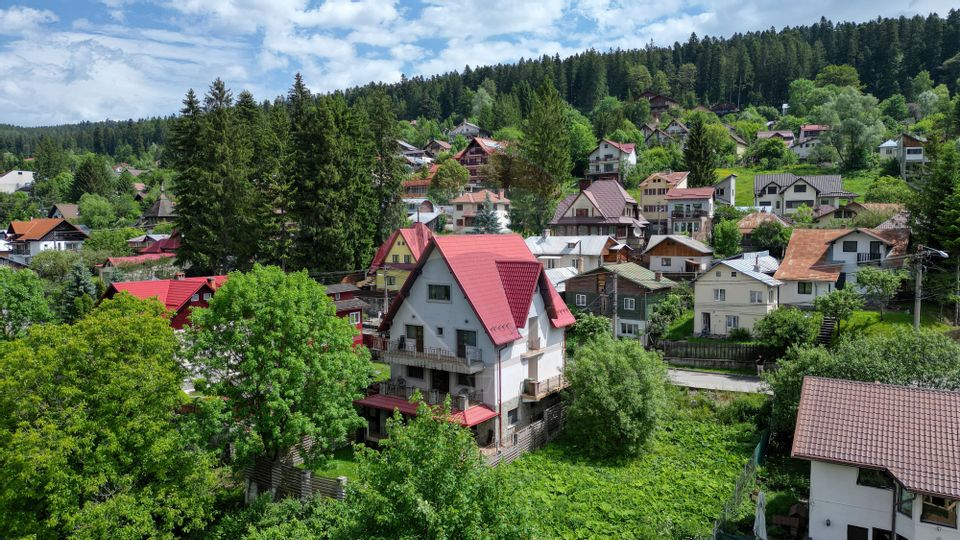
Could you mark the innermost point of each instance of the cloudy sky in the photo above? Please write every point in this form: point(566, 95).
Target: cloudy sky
point(71, 60)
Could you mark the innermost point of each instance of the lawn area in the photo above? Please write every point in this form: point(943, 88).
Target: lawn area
point(381, 372)
point(674, 490)
point(341, 464)
point(681, 329)
point(869, 323)
point(857, 182)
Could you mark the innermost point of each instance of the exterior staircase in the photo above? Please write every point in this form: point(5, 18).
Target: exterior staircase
point(825, 336)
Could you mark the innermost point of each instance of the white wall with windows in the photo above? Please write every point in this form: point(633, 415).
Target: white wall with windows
point(802, 293)
point(724, 299)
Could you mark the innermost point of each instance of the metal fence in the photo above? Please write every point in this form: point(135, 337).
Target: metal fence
point(742, 488)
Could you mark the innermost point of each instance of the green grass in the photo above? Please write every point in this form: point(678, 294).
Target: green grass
point(857, 182)
point(341, 464)
point(381, 372)
point(676, 488)
point(869, 323)
point(681, 329)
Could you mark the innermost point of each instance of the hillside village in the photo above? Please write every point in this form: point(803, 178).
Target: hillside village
point(670, 315)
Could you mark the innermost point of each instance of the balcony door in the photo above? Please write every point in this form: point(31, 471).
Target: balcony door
point(465, 339)
point(440, 381)
point(875, 247)
point(415, 334)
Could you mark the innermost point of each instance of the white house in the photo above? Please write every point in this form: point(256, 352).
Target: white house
point(677, 254)
point(690, 211)
point(735, 293)
point(15, 181)
point(911, 156)
point(888, 149)
point(818, 261)
point(804, 146)
point(725, 190)
point(477, 320)
point(467, 130)
point(584, 253)
point(466, 207)
point(884, 460)
point(783, 193)
point(27, 238)
point(611, 159)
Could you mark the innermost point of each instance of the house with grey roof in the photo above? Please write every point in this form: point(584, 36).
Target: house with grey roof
point(884, 459)
point(735, 293)
point(783, 193)
point(602, 207)
point(677, 254)
point(584, 253)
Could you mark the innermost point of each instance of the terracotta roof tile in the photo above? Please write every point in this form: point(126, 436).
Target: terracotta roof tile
point(750, 222)
point(479, 197)
point(35, 229)
point(519, 279)
point(671, 178)
point(805, 258)
point(913, 433)
point(690, 193)
point(608, 196)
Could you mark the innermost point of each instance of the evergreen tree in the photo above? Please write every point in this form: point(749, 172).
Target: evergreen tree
point(700, 155)
point(388, 170)
point(486, 220)
point(78, 293)
point(92, 176)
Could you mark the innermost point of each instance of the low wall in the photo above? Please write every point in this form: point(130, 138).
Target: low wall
point(711, 363)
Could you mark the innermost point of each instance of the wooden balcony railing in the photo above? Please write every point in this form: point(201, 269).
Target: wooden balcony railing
point(411, 353)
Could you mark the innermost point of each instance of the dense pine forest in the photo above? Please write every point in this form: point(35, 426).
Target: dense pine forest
point(753, 68)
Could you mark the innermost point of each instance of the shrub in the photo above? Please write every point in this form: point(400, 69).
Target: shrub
point(786, 326)
point(589, 326)
point(740, 334)
point(618, 396)
point(839, 304)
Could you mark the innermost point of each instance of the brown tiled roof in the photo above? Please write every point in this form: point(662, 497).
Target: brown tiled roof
point(610, 199)
point(479, 197)
point(35, 229)
point(806, 256)
point(671, 178)
point(750, 222)
point(67, 210)
point(690, 193)
point(913, 433)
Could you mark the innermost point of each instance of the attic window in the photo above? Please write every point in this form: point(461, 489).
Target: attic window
point(800, 188)
point(771, 190)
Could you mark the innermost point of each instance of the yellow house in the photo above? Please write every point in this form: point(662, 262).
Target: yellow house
point(398, 256)
point(653, 198)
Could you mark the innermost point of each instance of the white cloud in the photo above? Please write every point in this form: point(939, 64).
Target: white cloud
point(18, 20)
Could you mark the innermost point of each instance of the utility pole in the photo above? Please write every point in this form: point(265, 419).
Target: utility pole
point(918, 288)
point(615, 304)
point(386, 293)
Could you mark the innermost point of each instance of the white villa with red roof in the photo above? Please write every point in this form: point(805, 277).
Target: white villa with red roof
point(884, 460)
point(690, 211)
point(478, 321)
point(612, 160)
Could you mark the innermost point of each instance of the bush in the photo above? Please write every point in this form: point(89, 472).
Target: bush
point(740, 334)
point(588, 327)
point(786, 326)
point(748, 408)
point(839, 304)
point(618, 396)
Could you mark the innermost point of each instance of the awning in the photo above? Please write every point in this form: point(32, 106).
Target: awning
point(474, 415)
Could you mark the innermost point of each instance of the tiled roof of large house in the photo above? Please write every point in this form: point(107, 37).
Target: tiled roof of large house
point(671, 178)
point(825, 184)
point(416, 237)
point(750, 222)
point(626, 148)
point(690, 193)
point(781, 133)
point(608, 196)
point(173, 293)
point(592, 245)
point(478, 197)
point(637, 274)
point(66, 210)
point(695, 245)
point(912, 433)
point(134, 260)
point(335, 288)
point(498, 276)
point(35, 229)
point(489, 146)
point(807, 255)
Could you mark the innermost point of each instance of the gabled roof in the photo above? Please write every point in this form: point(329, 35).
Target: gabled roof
point(826, 184)
point(558, 276)
point(167, 245)
point(633, 272)
point(814, 127)
point(750, 222)
point(591, 245)
point(480, 197)
point(734, 135)
point(747, 268)
point(406, 147)
point(912, 433)
point(442, 144)
point(334, 288)
point(36, 229)
point(690, 193)
point(416, 238)
point(806, 256)
point(498, 276)
point(695, 245)
point(162, 208)
point(67, 210)
point(889, 143)
point(649, 96)
point(173, 293)
point(489, 146)
point(671, 178)
point(680, 124)
point(626, 148)
point(610, 199)
point(781, 133)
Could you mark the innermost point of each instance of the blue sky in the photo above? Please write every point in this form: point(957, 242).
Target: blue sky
point(72, 60)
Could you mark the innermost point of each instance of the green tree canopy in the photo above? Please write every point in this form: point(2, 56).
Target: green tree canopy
point(293, 369)
point(22, 302)
point(702, 152)
point(449, 181)
point(93, 176)
point(842, 75)
point(879, 286)
point(771, 236)
point(786, 326)
point(486, 220)
point(618, 396)
point(89, 440)
point(888, 189)
point(856, 128)
point(726, 238)
point(839, 303)
point(96, 211)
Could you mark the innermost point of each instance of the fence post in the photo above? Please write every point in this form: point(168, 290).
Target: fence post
point(341, 487)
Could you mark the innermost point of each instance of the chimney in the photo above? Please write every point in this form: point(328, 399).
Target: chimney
point(584, 183)
point(756, 264)
point(179, 276)
point(211, 282)
point(658, 276)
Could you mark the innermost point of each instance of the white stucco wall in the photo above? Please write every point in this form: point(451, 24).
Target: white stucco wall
point(677, 263)
point(789, 295)
point(736, 300)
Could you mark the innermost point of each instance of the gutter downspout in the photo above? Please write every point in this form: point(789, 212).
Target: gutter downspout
point(499, 398)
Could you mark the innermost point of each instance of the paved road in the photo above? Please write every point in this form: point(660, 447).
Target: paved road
point(716, 381)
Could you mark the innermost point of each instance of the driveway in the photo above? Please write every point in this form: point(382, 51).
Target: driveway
point(716, 381)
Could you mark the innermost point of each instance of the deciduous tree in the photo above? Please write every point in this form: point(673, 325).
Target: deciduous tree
point(879, 286)
point(726, 238)
point(22, 302)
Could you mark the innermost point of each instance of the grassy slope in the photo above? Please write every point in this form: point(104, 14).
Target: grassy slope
point(857, 182)
point(342, 464)
point(869, 323)
point(675, 488)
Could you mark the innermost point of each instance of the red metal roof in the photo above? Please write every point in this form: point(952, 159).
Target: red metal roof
point(626, 148)
point(167, 245)
point(519, 280)
point(914, 433)
point(173, 293)
point(473, 261)
point(416, 237)
point(690, 193)
point(477, 414)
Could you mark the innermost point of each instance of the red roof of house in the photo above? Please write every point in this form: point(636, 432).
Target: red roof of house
point(489, 146)
point(913, 433)
point(671, 178)
point(477, 414)
point(138, 259)
point(807, 254)
point(690, 193)
point(814, 127)
point(173, 293)
point(626, 148)
point(495, 273)
point(416, 238)
point(167, 245)
point(480, 196)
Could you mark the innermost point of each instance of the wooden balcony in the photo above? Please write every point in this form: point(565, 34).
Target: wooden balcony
point(408, 352)
point(867, 258)
point(537, 390)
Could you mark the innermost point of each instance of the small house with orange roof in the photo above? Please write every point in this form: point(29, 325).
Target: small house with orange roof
point(28, 238)
point(467, 206)
point(396, 257)
point(179, 295)
point(480, 322)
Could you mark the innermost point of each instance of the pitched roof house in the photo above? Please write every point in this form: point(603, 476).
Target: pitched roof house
point(348, 306)
point(467, 130)
point(478, 320)
point(28, 238)
point(170, 244)
point(15, 181)
point(436, 147)
point(690, 211)
point(179, 295)
point(653, 197)
point(398, 255)
point(882, 457)
point(467, 206)
point(658, 103)
point(783, 193)
point(611, 160)
point(602, 207)
point(677, 254)
point(161, 211)
point(475, 156)
point(784, 135)
point(584, 253)
point(734, 293)
point(64, 210)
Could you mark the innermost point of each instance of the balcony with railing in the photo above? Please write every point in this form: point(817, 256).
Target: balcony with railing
point(688, 214)
point(460, 400)
point(537, 390)
point(409, 352)
point(868, 258)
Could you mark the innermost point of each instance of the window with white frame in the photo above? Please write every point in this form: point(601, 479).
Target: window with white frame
point(720, 295)
point(756, 297)
point(581, 300)
point(733, 321)
point(195, 298)
point(629, 304)
point(629, 329)
point(354, 317)
point(207, 296)
point(770, 295)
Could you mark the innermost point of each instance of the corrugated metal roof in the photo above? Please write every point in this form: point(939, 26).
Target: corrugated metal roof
point(637, 274)
point(592, 245)
point(697, 245)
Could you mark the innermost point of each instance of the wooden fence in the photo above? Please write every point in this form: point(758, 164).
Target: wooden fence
point(281, 480)
point(532, 437)
point(715, 353)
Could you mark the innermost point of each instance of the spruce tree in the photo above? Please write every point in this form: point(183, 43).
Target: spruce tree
point(78, 293)
point(486, 220)
point(388, 171)
point(699, 155)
